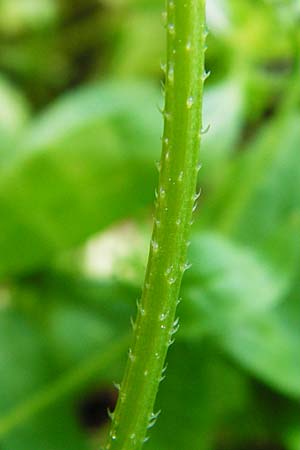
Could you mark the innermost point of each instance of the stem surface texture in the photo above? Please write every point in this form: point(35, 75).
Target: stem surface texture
point(176, 198)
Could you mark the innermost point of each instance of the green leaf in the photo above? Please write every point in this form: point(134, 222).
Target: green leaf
point(260, 205)
point(142, 60)
point(53, 429)
point(27, 366)
point(61, 336)
point(83, 315)
point(223, 113)
point(14, 114)
point(292, 438)
point(238, 280)
point(270, 181)
point(200, 390)
point(78, 316)
point(14, 110)
point(16, 17)
point(77, 170)
point(234, 295)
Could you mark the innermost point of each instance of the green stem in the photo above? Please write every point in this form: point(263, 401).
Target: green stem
point(155, 324)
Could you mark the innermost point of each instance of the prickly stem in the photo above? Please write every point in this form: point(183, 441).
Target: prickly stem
point(176, 196)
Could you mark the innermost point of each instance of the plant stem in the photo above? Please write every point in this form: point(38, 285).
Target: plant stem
point(176, 197)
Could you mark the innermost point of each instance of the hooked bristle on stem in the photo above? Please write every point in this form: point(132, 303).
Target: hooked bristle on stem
point(176, 195)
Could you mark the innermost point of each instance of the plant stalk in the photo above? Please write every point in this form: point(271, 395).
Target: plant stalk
point(176, 199)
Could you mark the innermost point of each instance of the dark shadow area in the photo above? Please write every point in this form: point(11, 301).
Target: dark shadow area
point(92, 410)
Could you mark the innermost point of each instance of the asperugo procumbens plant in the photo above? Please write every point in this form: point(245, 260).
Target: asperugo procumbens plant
point(176, 196)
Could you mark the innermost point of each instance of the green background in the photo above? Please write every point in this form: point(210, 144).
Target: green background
point(80, 133)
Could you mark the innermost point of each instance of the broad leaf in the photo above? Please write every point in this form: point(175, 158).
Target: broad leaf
point(200, 390)
point(259, 205)
point(86, 163)
point(235, 296)
point(77, 340)
point(14, 110)
point(223, 115)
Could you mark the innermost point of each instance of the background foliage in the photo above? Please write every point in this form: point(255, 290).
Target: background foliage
point(79, 134)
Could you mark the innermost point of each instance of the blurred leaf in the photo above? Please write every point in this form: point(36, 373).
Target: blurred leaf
point(144, 27)
point(66, 310)
point(259, 204)
point(26, 366)
point(236, 297)
point(268, 166)
point(200, 389)
point(78, 315)
point(14, 110)
point(217, 16)
point(258, 32)
point(238, 279)
point(293, 438)
point(223, 114)
point(17, 16)
point(20, 353)
point(50, 352)
point(54, 429)
point(77, 170)
point(83, 315)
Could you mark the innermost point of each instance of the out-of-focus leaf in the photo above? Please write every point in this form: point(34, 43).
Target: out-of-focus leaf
point(145, 28)
point(54, 429)
point(84, 316)
point(269, 347)
point(259, 205)
point(238, 298)
point(16, 16)
point(240, 282)
point(14, 114)
point(218, 16)
point(84, 164)
point(199, 390)
point(292, 438)
point(255, 32)
point(14, 110)
point(269, 182)
point(26, 366)
point(6, 144)
point(80, 315)
point(21, 349)
point(77, 339)
point(223, 114)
